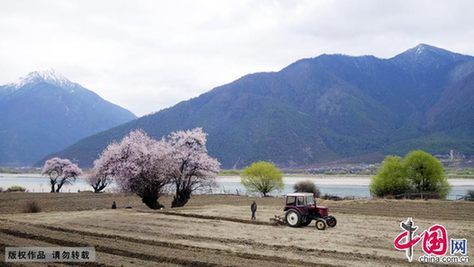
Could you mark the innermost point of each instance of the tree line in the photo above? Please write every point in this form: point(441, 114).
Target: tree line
point(417, 175)
point(146, 166)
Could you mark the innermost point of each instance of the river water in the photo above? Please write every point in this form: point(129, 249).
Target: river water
point(343, 186)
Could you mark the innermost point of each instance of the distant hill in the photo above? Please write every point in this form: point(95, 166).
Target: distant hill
point(45, 112)
point(322, 109)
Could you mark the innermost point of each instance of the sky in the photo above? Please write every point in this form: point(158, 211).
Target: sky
point(149, 55)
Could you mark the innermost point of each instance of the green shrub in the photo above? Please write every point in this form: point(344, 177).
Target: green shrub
point(16, 188)
point(426, 174)
point(390, 179)
point(262, 177)
point(307, 187)
point(418, 175)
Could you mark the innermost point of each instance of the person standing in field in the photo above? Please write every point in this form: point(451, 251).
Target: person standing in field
point(253, 208)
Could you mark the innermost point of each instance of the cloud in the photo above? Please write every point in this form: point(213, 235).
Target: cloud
point(149, 55)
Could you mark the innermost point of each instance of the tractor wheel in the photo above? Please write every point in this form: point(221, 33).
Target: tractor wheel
point(307, 222)
point(331, 221)
point(320, 224)
point(293, 218)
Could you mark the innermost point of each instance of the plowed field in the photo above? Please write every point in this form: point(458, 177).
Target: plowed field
point(221, 234)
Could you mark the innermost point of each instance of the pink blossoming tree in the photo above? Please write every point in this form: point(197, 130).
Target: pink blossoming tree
point(145, 166)
point(60, 172)
point(100, 176)
point(193, 168)
point(139, 164)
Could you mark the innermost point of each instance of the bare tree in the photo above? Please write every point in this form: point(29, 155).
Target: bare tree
point(60, 172)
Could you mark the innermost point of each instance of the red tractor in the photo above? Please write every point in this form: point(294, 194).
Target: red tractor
point(301, 210)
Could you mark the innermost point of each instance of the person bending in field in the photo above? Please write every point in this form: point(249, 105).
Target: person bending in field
point(253, 208)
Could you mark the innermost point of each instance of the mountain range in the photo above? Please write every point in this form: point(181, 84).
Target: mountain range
point(45, 112)
point(323, 109)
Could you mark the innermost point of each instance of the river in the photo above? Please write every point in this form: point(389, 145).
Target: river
point(343, 186)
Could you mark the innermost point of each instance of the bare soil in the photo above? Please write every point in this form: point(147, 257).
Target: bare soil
point(216, 230)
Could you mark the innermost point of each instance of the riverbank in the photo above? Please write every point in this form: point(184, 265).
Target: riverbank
point(353, 186)
point(35, 174)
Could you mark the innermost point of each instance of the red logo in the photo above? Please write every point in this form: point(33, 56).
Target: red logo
point(435, 239)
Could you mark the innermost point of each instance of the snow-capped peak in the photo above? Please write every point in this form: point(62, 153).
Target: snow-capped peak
point(427, 53)
point(49, 76)
point(420, 48)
